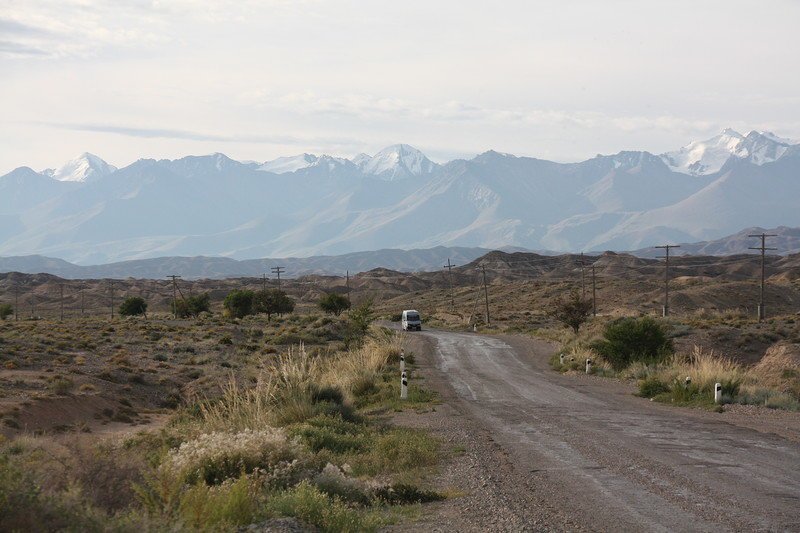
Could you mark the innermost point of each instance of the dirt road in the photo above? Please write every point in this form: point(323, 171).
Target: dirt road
point(578, 452)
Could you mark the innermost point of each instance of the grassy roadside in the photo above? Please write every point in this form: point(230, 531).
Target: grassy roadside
point(308, 436)
point(686, 378)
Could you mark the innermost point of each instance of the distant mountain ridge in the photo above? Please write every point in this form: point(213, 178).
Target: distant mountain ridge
point(786, 242)
point(224, 267)
point(89, 212)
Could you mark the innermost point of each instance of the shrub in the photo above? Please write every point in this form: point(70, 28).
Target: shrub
point(329, 513)
point(273, 301)
point(633, 339)
point(333, 303)
point(133, 306)
point(233, 503)
point(573, 311)
point(239, 303)
point(193, 305)
point(403, 494)
point(651, 387)
point(216, 457)
point(6, 310)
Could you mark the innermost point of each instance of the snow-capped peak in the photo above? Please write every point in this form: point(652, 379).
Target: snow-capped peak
point(700, 158)
point(86, 167)
point(282, 165)
point(397, 162)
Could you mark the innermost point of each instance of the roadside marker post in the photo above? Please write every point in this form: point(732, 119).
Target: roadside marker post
point(402, 361)
point(717, 392)
point(561, 359)
point(588, 366)
point(403, 386)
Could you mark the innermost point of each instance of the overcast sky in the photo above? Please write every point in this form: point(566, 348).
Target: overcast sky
point(560, 79)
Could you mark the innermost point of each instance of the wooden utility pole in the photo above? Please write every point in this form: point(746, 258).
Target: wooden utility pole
point(278, 270)
point(82, 307)
point(763, 248)
point(61, 286)
point(16, 303)
point(263, 283)
point(112, 300)
point(449, 266)
point(667, 248)
point(485, 293)
point(583, 278)
point(174, 294)
point(594, 292)
point(347, 283)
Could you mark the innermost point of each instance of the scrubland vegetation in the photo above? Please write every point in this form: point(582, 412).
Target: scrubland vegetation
point(289, 417)
point(642, 349)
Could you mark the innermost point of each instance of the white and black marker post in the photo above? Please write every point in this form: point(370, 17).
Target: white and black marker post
point(403, 386)
point(402, 361)
point(561, 359)
point(717, 392)
point(588, 366)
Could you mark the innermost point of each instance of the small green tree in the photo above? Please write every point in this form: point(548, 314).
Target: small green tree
point(573, 311)
point(133, 306)
point(333, 303)
point(273, 301)
point(239, 303)
point(626, 340)
point(358, 323)
point(193, 305)
point(6, 310)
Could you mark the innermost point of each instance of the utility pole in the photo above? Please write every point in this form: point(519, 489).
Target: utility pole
point(347, 283)
point(81, 290)
point(263, 283)
point(763, 248)
point(112, 300)
point(594, 293)
point(583, 278)
point(667, 248)
point(449, 266)
point(61, 286)
point(485, 293)
point(278, 270)
point(16, 303)
point(174, 294)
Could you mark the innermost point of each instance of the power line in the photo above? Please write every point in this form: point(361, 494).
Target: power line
point(278, 270)
point(449, 266)
point(763, 248)
point(667, 248)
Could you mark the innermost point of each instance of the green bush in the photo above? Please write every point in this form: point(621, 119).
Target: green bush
point(133, 306)
point(573, 311)
point(193, 305)
point(403, 494)
point(651, 387)
point(239, 303)
point(333, 303)
point(271, 302)
point(6, 310)
point(627, 340)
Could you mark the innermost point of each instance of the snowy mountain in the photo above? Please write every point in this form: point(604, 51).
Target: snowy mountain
point(85, 167)
point(397, 162)
point(282, 165)
point(701, 158)
point(398, 198)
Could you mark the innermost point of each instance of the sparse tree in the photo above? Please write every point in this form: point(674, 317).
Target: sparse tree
point(333, 303)
point(6, 310)
point(239, 303)
point(573, 311)
point(358, 323)
point(273, 301)
point(133, 306)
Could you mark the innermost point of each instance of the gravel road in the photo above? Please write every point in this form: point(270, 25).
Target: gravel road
point(536, 450)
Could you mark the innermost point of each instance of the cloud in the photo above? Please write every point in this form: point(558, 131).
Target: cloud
point(166, 133)
point(18, 49)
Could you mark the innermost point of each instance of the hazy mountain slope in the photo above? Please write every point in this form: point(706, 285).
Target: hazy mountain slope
point(310, 205)
point(222, 267)
point(786, 242)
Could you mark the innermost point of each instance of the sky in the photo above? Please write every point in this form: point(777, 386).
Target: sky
point(561, 80)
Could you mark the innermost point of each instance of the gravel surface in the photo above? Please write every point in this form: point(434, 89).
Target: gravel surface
point(533, 450)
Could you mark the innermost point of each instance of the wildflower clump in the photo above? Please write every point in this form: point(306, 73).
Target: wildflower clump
point(215, 457)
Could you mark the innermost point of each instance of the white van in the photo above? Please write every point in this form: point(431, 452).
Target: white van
point(411, 320)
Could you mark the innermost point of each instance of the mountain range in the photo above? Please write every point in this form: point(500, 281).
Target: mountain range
point(90, 212)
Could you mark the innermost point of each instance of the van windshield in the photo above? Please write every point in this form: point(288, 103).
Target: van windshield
point(412, 317)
